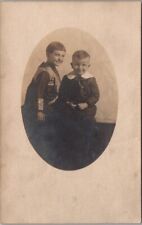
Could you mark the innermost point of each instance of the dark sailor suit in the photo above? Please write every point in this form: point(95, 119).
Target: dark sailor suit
point(42, 90)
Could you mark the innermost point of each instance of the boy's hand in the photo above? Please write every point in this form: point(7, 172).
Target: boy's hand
point(82, 106)
point(41, 116)
point(71, 104)
point(54, 100)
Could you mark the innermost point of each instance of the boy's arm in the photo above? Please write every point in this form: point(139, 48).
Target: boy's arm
point(42, 82)
point(63, 93)
point(94, 90)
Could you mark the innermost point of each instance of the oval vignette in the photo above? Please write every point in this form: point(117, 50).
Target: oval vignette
point(58, 146)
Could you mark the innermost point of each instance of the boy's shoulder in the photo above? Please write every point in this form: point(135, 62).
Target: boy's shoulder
point(72, 76)
point(88, 75)
point(44, 67)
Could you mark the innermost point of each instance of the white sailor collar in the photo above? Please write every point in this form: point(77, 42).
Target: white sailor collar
point(85, 75)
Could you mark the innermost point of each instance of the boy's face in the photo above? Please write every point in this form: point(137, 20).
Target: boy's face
point(80, 66)
point(56, 57)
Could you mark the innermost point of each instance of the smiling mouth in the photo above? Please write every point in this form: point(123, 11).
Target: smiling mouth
point(58, 62)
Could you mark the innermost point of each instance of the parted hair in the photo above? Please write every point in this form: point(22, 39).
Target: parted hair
point(80, 54)
point(55, 46)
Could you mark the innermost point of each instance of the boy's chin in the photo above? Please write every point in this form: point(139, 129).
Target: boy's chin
point(80, 73)
point(57, 63)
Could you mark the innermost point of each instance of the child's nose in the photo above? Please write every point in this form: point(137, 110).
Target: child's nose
point(61, 58)
point(80, 67)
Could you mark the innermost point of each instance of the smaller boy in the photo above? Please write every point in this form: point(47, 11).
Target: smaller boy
point(76, 104)
point(79, 91)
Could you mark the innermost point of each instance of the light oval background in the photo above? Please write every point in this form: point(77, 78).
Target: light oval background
point(101, 67)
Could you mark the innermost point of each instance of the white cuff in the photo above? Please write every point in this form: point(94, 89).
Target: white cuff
point(40, 104)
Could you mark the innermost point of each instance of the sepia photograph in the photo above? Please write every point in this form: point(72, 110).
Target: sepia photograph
point(69, 99)
point(70, 112)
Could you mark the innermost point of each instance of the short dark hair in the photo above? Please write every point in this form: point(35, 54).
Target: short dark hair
point(55, 46)
point(80, 54)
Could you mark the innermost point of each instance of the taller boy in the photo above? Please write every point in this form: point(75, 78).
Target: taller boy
point(43, 89)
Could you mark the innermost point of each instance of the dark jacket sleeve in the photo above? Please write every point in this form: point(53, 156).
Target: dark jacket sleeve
point(63, 92)
point(42, 81)
point(94, 92)
point(42, 84)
